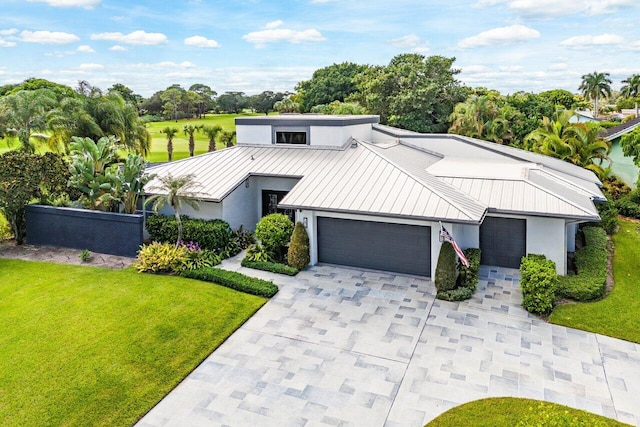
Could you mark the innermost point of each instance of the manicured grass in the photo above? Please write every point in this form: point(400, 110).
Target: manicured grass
point(181, 141)
point(511, 411)
point(89, 346)
point(617, 315)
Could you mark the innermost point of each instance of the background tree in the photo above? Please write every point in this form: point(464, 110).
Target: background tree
point(594, 86)
point(228, 138)
point(169, 133)
point(481, 117)
point(412, 92)
point(263, 102)
point(333, 83)
point(339, 108)
point(630, 144)
point(126, 93)
point(190, 131)
point(232, 102)
point(631, 86)
point(287, 105)
point(172, 100)
point(178, 191)
point(560, 99)
point(25, 116)
point(206, 97)
point(530, 109)
point(212, 132)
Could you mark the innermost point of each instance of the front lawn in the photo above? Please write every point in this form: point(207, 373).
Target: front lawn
point(511, 411)
point(617, 314)
point(89, 346)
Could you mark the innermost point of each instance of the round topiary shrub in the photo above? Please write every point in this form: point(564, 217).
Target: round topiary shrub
point(298, 255)
point(274, 231)
point(446, 271)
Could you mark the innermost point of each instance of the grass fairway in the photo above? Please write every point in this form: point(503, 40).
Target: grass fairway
point(181, 141)
point(90, 346)
point(617, 315)
point(511, 411)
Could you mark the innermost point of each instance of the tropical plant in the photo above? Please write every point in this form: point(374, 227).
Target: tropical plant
point(298, 254)
point(25, 116)
point(286, 105)
point(190, 130)
point(175, 192)
point(212, 132)
point(631, 86)
point(274, 232)
point(169, 133)
point(481, 117)
point(594, 86)
point(131, 182)
point(227, 138)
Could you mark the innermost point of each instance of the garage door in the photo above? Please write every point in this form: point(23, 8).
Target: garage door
point(376, 245)
point(503, 241)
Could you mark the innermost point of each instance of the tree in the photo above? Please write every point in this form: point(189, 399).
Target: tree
point(212, 132)
point(298, 253)
point(206, 97)
point(338, 107)
point(25, 116)
point(531, 108)
point(59, 91)
point(264, 102)
point(126, 93)
point(190, 131)
point(631, 86)
point(172, 99)
point(480, 117)
point(560, 98)
point(131, 182)
point(227, 138)
point(177, 192)
point(333, 83)
point(169, 133)
point(630, 144)
point(232, 102)
point(286, 105)
point(412, 92)
point(595, 85)
point(446, 271)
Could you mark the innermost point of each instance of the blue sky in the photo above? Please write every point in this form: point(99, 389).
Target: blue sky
point(257, 45)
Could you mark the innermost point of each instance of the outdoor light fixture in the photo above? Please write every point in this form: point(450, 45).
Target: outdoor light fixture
point(246, 183)
point(304, 221)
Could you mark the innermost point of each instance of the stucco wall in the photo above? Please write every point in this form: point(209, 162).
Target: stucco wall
point(467, 236)
point(547, 236)
point(338, 136)
point(253, 134)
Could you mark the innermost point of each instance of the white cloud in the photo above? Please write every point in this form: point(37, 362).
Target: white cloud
point(48, 37)
point(8, 32)
point(85, 48)
point(138, 37)
point(164, 65)
point(274, 24)
point(272, 35)
point(199, 41)
point(87, 4)
point(117, 48)
point(4, 43)
point(91, 67)
point(500, 36)
point(511, 68)
point(410, 41)
point(475, 69)
point(558, 66)
point(588, 41)
point(554, 8)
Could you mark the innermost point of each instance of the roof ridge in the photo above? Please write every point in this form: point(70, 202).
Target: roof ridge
point(438, 193)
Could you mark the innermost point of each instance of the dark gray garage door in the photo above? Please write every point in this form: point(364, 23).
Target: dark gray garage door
point(376, 245)
point(503, 241)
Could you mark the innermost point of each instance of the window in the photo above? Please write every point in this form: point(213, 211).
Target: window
point(283, 137)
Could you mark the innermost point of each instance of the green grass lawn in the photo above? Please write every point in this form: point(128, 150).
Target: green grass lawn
point(89, 346)
point(617, 315)
point(511, 411)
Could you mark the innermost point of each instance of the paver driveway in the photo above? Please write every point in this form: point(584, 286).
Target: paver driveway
point(341, 347)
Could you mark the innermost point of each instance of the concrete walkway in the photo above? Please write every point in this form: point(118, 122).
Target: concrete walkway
point(344, 347)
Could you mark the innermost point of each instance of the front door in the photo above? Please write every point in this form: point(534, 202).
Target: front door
point(270, 200)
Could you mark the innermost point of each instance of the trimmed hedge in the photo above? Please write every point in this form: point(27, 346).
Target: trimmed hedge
point(591, 264)
point(446, 272)
point(211, 234)
point(233, 280)
point(272, 267)
point(538, 283)
point(467, 281)
point(298, 254)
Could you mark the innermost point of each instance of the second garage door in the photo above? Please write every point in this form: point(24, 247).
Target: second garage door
point(503, 241)
point(376, 245)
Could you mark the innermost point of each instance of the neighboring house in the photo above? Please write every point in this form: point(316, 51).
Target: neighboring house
point(584, 116)
point(614, 133)
point(372, 196)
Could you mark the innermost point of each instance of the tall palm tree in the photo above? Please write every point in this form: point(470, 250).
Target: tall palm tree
point(190, 130)
point(212, 132)
point(176, 192)
point(24, 116)
point(595, 85)
point(631, 86)
point(227, 138)
point(170, 133)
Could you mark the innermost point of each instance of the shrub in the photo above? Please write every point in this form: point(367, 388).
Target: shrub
point(608, 217)
point(257, 253)
point(446, 273)
point(298, 254)
point(538, 283)
point(233, 280)
point(614, 188)
point(591, 266)
point(627, 207)
point(272, 267)
point(274, 231)
point(85, 255)
point(159, 257)
point(243, 237)
point(210, 234)
point(468, 277)
point(458, 294)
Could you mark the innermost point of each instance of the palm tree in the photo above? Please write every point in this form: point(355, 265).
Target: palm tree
point(25, 116)
point(227, 138)
point(170, 133)
point(631, 87)
point(212, 132)
point(594, 86)
point(480, 117)
point(190, 130)
point(178, 191)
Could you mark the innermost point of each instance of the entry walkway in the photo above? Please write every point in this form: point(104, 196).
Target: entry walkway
point(345, 347)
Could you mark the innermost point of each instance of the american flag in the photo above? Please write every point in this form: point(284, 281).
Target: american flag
point(447, 237)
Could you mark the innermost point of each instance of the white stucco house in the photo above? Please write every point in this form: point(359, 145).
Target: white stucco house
point(372, 196)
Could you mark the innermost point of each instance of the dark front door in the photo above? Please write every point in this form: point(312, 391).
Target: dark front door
point(270, 200)
point(503, 241)
point(377, 245)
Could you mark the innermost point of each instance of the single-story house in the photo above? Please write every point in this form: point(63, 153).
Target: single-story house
point(373, 196)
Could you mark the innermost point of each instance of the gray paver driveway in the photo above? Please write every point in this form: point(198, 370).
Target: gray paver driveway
point(345, 347)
